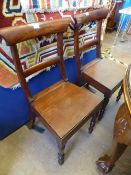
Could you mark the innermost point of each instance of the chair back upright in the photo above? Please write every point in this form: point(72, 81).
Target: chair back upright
point(17, 34)
point(83, 19)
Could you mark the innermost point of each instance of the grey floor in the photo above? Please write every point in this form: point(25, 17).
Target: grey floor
point(27, 152)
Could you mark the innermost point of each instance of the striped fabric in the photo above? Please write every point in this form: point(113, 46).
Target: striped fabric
point(56, 5)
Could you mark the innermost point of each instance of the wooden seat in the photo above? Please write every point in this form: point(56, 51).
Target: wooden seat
point(63, 107)
point(103, 74)
point(107, 81)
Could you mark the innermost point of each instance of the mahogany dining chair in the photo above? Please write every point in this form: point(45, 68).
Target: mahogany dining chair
point(103, 74)
point(63, 107)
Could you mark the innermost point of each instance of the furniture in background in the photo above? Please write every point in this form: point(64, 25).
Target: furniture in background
point(103, 74)
point(122, 129)
point(125, 19)
point(63, 107)
point(111, 22)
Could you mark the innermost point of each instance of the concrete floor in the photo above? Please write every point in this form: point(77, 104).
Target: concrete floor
point(120, 51)
point(27, 152)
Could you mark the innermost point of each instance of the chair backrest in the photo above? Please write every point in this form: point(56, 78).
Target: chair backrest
point(17, 34)
point(84, 18)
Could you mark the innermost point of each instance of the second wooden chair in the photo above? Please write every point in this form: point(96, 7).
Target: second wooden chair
point(103, 74)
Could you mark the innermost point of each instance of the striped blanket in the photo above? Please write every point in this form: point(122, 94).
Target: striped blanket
point(56, 5)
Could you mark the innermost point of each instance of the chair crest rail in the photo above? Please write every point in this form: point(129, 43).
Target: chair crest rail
point(17, 34)
point(94, 15)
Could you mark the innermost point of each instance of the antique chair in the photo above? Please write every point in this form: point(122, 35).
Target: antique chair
point(111, 22)
point(103, 74)
point(63, 107)
point(122, 129)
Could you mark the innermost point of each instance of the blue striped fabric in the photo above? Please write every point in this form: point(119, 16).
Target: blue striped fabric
point(54, 5)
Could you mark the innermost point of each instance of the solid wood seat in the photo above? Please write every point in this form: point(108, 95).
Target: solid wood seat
point(64, 106)
point(103, 74)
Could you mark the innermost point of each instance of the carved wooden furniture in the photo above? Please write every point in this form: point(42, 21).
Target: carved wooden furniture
point(63, 107)
point(103, 74)
point(122, 129)
point(111, 22)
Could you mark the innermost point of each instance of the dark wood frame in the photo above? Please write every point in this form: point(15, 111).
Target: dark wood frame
point(81, 19)
point(14, 35)
point(96, 15)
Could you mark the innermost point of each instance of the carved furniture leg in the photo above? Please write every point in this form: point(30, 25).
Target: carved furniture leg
point(119, 94)
point(61, 147)
point(121, 140)
point(106, 163)
point(105, 103)
point(93, 122)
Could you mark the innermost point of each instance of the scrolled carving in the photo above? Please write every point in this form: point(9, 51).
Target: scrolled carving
point(121, 127)
point(121, 122)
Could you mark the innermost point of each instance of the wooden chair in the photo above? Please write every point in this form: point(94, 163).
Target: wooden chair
point(103, 74)
point(63, 107)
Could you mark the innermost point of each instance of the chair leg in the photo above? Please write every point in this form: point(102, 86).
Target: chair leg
point(86, 85)
point(105, 103)
point(61, 154)
point(119, 94)
point(30, 124)
point(93, 122)
point(106, 163)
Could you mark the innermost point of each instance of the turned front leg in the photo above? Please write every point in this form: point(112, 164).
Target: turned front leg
point(93, 122)
point(119, 94)
point(105, 103)
point(61, 147)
